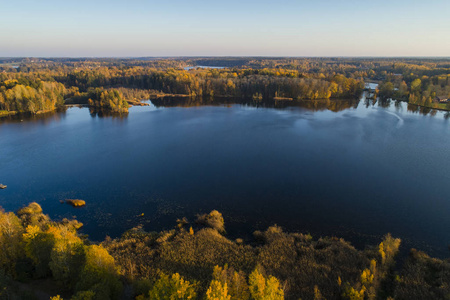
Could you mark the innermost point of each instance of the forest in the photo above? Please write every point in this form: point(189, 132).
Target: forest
point(40, 258)
point(36, 85)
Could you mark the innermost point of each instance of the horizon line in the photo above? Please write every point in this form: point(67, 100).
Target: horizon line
point(234, 56)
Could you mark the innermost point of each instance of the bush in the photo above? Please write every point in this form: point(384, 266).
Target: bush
point(32, 215)
point(214, 220)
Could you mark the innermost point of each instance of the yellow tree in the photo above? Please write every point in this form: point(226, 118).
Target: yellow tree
point(10, 241)
point(38, 247)
point(388, 248)
point(100, 273)
point(67, 256)
point(235, 282)
point(262, 288)
point(217, 291)
point(172, 288)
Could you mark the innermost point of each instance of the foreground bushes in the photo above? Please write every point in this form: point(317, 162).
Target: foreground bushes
point(200, 263)
point(34, 247)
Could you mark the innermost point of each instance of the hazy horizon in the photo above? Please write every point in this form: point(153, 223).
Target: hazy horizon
point(200, 28)
point(223, 56)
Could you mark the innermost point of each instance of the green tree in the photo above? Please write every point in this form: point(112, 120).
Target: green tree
point(11, 248)
point(416, 86)
point(67, 256)
point(100, 273)
point(172, 288)
point(84, 295)
point(38, 247)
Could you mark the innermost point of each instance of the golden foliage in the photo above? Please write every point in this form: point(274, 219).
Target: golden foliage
point(262, 288)
point(217, 291)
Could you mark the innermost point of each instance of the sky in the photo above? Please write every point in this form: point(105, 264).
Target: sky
point(137, 28)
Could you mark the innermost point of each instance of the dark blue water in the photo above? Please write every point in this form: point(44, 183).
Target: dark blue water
point(356, 171)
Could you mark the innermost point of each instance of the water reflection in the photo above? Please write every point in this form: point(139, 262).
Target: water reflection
point(334, 105)
point(31, 119)
point(103, 113)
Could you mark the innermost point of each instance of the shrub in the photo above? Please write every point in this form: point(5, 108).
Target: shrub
point(214, 220)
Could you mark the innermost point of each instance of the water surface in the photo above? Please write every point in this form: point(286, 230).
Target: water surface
point(353, 169)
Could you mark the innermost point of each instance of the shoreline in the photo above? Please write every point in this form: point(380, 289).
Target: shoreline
point(301, 265)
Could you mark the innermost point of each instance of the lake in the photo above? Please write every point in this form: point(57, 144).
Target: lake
point(352, 169)
point(202, 67)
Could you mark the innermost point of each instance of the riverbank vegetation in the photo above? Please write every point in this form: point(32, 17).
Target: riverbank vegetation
point(197, 261)
point(35, 96)
point(425, 83)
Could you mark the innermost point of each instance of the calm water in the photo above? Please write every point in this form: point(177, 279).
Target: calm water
point(350, 169)
point(202, 67)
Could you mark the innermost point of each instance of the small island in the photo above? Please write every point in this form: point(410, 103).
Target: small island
point(75, 202)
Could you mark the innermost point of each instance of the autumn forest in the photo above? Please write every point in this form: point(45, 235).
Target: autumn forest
point(42, 85)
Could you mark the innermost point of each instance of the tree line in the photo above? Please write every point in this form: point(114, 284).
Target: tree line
point(44, 84)
point(31, 96)
point(424, 91)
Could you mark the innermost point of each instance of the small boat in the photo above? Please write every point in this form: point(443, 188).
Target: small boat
point(2, 186)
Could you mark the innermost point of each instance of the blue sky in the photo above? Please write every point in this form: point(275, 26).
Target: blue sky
point(224, 28)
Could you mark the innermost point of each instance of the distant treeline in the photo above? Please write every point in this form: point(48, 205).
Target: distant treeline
point(266, 84)
point(196, 261)
point(419, 81)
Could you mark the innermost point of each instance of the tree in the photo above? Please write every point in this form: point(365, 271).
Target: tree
point(387, 90)
point(172, 288)
point(99, 273)
point(32, 215)
point(351, 293)
point(67, 256)
point(85, 295)
point(11, 249)
point(217, 291)
point(388, 249)
point(262, 288)
point(38, 247)
point(416, 86)
point(235, 282)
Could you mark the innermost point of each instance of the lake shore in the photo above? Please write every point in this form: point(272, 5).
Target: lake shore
point(199, 254)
